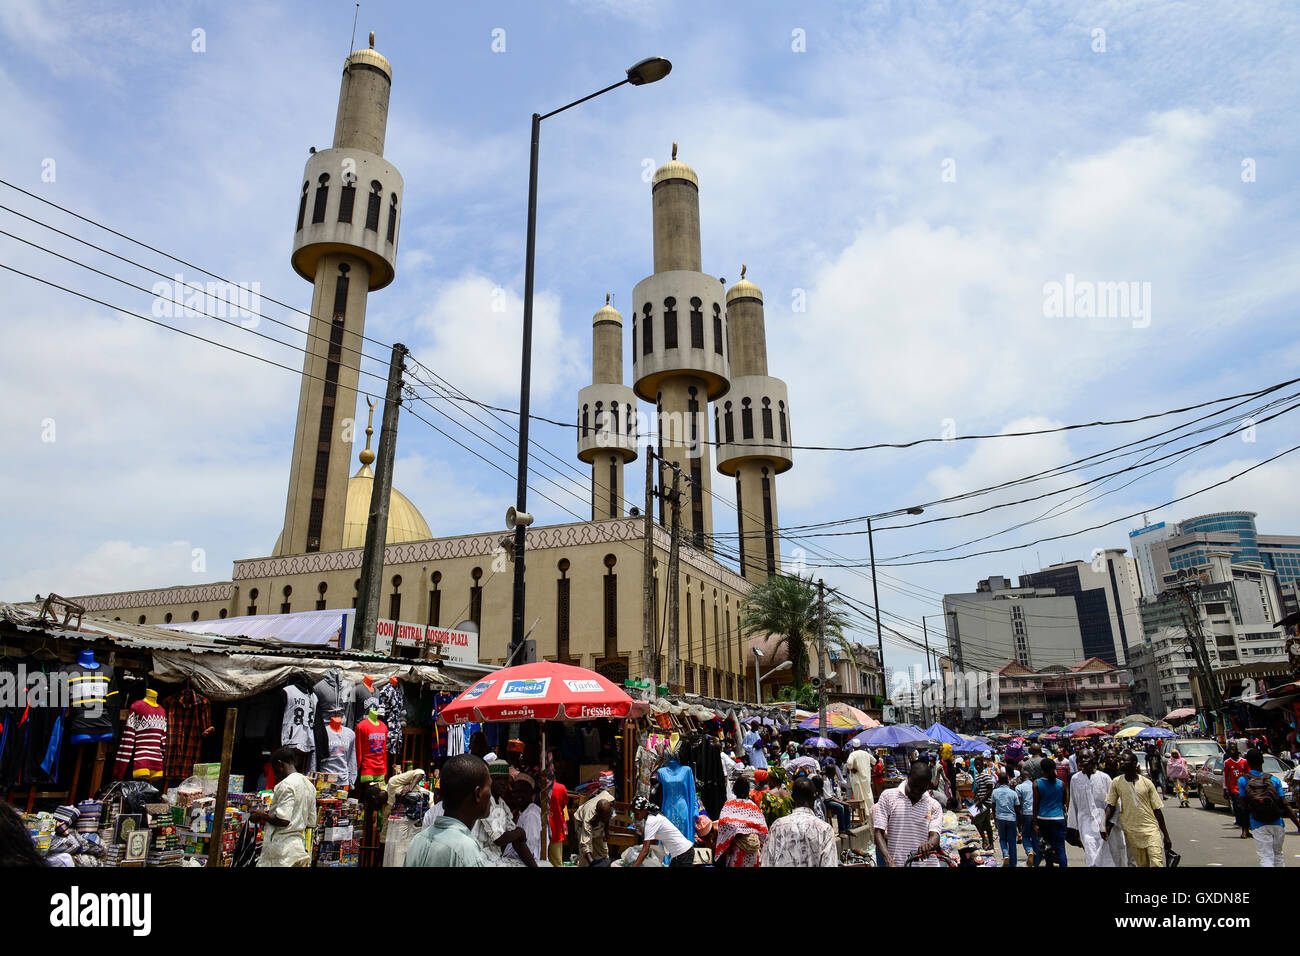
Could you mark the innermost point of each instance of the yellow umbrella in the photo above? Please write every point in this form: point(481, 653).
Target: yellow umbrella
point(1130, 731)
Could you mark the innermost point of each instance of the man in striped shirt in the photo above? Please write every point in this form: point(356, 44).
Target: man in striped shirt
point(907, 819)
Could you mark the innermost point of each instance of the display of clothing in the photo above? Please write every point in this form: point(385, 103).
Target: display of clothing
point(93, 704)
point(340, 754)
point(334, 692)
point(392, 708)
point(704, 756)
point(299, 718)
point(372, 752)
point(144, 741)
point(189, 719)
point(590, 743)
point(680, 805)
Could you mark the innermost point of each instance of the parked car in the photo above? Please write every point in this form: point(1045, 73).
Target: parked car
point(1209, 780)
point(1195, 750)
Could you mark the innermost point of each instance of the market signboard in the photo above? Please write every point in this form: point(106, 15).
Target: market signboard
point(460, 647)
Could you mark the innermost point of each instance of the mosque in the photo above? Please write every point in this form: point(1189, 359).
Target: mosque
point(694, 343)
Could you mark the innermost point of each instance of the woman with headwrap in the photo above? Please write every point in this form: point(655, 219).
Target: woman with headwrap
point(759, 790)
point(741, 830)
point(777, 802)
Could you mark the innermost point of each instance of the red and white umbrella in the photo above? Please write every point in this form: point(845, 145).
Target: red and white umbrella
point(541, 691)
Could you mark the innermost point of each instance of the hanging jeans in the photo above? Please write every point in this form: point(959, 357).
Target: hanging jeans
point(1029, 838)
point(1053, 840)
point(1007, 836)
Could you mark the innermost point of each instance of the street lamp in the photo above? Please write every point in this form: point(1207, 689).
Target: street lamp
point(649, 70)
point(758, 687)
point(875, 592)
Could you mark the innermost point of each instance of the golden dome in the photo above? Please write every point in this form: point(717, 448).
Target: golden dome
point(405, 523)
point(744, 289)
point(371, 57)
point(674, 170)
point(607, 313)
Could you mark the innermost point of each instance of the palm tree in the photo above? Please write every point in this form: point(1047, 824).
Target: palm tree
point(786, 606)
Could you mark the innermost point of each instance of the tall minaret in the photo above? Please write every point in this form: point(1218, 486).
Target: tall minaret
point(607, 433)
point(679, 341)
point(753, 426)
point(345, 243)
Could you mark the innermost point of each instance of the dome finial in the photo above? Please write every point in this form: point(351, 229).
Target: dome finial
point(372, 39)
point(742, 270)
point(607, 298)
point(367, 456)
point(674, 150)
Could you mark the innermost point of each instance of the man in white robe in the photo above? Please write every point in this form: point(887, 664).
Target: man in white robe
point(859, 768)
point(1087, 814)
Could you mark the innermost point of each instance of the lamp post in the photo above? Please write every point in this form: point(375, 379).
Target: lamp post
point(758, 686)
point(783, 666)
point(875, 592)
point(646, 71)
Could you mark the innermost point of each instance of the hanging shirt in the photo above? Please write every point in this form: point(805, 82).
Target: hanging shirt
point(143, 741)
point(189, 720)
point(754, 750)
point(556, 818)
point(392, 708)
point(372, 751)
point(299, 718)
point(94, 702)
point(333, 692)
point(341, 755)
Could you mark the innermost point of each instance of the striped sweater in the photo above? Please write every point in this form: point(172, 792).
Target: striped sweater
point(143, 741)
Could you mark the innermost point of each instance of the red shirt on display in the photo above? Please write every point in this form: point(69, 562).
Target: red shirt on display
point(372, 749)
point(559, 800)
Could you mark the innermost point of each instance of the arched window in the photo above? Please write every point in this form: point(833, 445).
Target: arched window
point(670, 323)
point(730, 423)
point(222, 614)
point(141, 621)
point(347, 197)
point(647, 331)
point(167, 618)
point(392, 217)
point(613, 413)
point(767, 418)
point(746, 419)
point(356, 590)
point(717, 328)
point(372, 205)
point(611, 607)
point(395, 599)
point(302, 204)
point(322, 195)
point(320, 596)
point(585, 428)
point(562, 611)
point(284, 605)
point(785, 435)
point(252, 602)
point(717, 422)
point(630, 421)
point(697, 324)
point(194, 615)
point(600, 417)
point(476, 598)
point(435, 599)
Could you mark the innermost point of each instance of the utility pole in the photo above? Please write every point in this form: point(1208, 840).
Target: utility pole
point(372, 560)
point(649, 654)
point(1196, 637)
point(674, 615)
point(929, 672)
point(821, 657)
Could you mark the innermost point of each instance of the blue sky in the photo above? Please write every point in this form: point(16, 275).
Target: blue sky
point(821, 168)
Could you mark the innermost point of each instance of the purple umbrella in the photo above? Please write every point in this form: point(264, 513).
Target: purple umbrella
point(821, 743)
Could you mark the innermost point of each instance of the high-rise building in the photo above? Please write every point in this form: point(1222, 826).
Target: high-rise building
point(1140, 542)
point(1106, 596)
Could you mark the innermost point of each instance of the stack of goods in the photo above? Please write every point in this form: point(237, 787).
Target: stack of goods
point(210, 773)
point(329, 786)
point(604, 782)
point(338, 832)
point(90, 818)
point(40, 827)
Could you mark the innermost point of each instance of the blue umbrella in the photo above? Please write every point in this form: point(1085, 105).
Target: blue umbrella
point(942, 734)
point(891, 736)
point(821, 743)
point(1157, 732)
point(970, 747)
point(1071, 728)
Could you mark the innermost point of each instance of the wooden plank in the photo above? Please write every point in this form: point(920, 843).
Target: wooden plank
point(223, 785)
